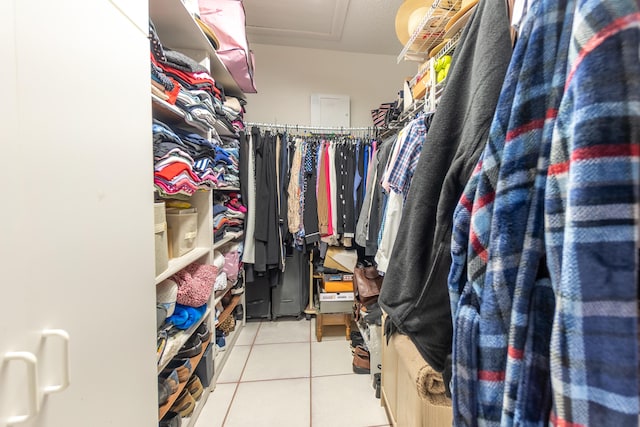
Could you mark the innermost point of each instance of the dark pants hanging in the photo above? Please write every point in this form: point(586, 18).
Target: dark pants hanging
point(310, 215)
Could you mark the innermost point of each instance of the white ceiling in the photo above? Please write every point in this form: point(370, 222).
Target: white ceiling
point(366, 26)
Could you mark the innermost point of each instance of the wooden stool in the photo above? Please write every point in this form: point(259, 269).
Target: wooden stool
point(328, 319)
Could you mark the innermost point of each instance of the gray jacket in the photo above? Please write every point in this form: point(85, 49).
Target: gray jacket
point(415, 293)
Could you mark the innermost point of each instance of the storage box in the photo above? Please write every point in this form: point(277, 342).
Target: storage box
point(336, 302)
point(338, 277)
point(341, 286)
point(183, 230)
point(161, 245)
point(205, 368)
point(419, 90)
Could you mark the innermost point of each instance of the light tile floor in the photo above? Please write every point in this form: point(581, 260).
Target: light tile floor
point(278, 375)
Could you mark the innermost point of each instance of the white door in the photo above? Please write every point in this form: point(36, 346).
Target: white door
point(76, 213)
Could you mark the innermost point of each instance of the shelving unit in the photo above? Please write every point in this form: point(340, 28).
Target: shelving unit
point(229, 237)
point(430, 31)
point(166, 112)
point(228, 309)
point(434, 89)
point(177, 341)
point(222, 295)
point(162, 410)
point(177, 264)
point(177, 29)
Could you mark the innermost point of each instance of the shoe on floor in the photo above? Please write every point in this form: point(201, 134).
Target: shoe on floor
point(361, 361)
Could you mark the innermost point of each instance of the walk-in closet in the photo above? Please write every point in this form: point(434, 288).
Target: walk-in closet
point(358, 213)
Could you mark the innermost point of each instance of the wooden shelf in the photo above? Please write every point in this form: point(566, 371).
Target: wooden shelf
point(178, 30)
point(180, 338)
point(177, 264)
point(229, 237)
point(162, 410)
point(228, 309)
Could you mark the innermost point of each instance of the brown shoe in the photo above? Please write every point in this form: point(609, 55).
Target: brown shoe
point(195, 387)
point(185, 404)
point(361, 361)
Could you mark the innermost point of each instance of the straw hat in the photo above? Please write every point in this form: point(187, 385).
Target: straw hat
point(409, 15)
point(411, 12)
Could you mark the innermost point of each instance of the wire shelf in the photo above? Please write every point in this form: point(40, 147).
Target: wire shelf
point(430, 32)
point(450, 46)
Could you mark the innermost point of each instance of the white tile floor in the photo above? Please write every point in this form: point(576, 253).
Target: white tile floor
point(279, 375)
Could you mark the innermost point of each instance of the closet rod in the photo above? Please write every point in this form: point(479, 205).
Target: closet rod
point(296, 127)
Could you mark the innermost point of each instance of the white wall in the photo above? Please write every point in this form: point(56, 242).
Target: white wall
point(287, 76)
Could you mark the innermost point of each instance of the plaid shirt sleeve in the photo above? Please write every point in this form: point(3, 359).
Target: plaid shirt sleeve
point(592, 207)
point(408, 156)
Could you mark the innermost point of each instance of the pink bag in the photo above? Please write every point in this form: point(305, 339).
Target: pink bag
point(227, 20)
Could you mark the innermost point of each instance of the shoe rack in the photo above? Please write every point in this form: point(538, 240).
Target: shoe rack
point(178, 30)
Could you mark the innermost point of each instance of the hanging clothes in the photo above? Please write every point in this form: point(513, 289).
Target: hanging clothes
point(249, 255)
point(322, 193)
point(378, 198)
point(310, 178)
point(399, 174)
point(293, 211)
point(542, 196)
point(415, 294)
point(268, 244)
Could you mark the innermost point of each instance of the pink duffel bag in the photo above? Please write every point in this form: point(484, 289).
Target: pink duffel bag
point(227, 20)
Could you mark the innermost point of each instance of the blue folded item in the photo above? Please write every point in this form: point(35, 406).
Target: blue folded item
point(218, 209)
point(184, 316)
point(222, 156)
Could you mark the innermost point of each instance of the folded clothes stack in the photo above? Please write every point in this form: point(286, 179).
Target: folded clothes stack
point(233, 110)
point(226, 167)
point(183, 82)
point(186, 162)
point(228, 214)
point(173, 163)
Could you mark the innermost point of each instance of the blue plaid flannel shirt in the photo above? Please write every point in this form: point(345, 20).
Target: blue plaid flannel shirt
point(408, 156)
point(591, 216)
point(501, 303)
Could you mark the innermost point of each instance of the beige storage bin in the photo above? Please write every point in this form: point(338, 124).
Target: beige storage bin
point(161, 244)
point(183, 230)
